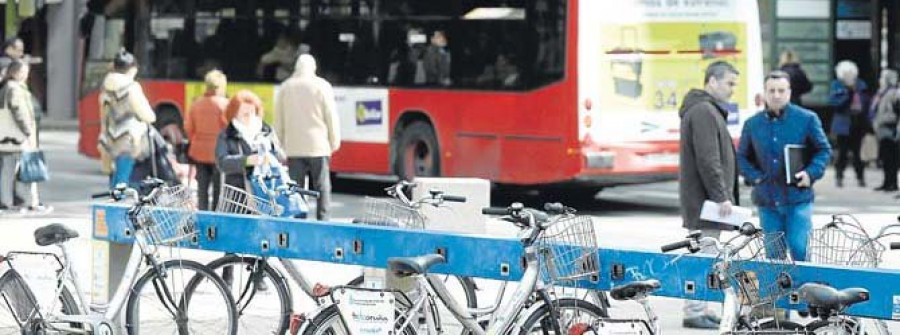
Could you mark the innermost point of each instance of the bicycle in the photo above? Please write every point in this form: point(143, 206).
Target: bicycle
point(271, 310)
point(753, 271)
point(843, 242)
point(165, 216)
point(557, 251)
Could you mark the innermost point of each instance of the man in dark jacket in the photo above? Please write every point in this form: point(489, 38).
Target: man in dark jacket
point(707, 164)
point(783, 207)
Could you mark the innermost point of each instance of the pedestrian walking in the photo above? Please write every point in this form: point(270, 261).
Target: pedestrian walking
point(708, 170)
point(783, 207)
point(125, 119)
point(16, 101)
point(886, 106)
point(800, 84)
point(305, 105)
point(203, 125)
point(850, 123)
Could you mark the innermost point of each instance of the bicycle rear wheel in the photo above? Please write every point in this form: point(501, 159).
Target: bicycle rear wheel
point(184, 297)
point(17, 301)
point(263, 299)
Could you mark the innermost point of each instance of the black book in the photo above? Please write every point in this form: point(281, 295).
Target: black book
point(795, 160)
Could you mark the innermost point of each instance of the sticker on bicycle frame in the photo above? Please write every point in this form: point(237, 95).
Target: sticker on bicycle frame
point(367, 312)
point(895, 311)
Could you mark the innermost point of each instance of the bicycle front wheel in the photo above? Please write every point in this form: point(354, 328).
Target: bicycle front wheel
point(180, 297)
point(262, 295)
point(572, 312)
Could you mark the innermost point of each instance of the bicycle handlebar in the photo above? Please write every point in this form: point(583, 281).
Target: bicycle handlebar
point(677, 245)
point(454, 198)
point(895, 245)
point(495, 211)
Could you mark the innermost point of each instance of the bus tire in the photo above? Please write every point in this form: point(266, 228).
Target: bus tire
point(418, 152)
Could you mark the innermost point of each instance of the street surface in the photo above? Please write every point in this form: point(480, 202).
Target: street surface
point(616, 211)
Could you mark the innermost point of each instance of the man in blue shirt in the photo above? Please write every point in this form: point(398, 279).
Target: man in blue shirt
point(783, 207)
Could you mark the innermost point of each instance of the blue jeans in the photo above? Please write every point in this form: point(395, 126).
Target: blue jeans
point(792, 220)
point(122, 173)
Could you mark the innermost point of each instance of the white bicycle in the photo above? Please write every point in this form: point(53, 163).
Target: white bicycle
point(175, 297)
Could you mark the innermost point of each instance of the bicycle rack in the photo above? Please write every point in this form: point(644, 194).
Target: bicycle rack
point(484, 257)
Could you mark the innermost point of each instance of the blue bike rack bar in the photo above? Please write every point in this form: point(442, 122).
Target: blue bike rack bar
point(484, 257)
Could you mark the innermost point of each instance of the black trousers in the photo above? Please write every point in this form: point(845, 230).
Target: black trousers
point(849, 145)
point(889, 151)
point(319, 173)
point(207, 175)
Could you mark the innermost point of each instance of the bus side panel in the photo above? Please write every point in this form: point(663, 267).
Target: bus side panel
point(508, 137)
point(359, 157)
point(542, 146)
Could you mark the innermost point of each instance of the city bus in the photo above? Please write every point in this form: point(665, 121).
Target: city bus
point(578, 93)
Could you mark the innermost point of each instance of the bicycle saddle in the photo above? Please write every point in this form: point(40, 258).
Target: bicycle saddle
point(53, 233)
point(633, 289)
point(823, 296)
point(408, 266)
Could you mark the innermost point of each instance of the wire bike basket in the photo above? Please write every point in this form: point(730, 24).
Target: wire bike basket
point(568, 250)
point(835, 245)
point(390, 213)
point(761, 271)
point(169, 215)
point(235, 200)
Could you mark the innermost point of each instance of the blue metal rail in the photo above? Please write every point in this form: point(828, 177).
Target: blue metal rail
point(484, 257)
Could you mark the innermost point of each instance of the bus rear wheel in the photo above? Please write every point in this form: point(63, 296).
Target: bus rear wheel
point(418, 154)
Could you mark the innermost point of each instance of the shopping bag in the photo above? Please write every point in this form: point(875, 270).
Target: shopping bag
point(869, 150)
point(32, 168)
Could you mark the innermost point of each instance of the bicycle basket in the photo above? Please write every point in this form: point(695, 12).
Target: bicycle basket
point(381, 212)
point(236, 200)
point(837, 246)
point(568, 250)
point(761, 271)
point(169, 216)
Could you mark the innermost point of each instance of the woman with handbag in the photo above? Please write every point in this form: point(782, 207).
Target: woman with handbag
point(15, 100)
point(239, 147)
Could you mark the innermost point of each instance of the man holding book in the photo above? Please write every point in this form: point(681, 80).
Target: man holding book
point(783, 151)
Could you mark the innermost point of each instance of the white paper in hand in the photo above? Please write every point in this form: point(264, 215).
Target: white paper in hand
point(739, 215)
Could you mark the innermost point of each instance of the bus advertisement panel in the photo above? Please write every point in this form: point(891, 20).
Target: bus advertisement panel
point(638, 58)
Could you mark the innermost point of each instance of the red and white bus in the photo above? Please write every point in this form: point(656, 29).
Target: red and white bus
point(525, 92)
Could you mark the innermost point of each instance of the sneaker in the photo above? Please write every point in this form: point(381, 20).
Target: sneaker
point(714, 318)
point(699, 322)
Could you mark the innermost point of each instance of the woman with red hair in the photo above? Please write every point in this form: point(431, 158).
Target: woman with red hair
point(246, 141)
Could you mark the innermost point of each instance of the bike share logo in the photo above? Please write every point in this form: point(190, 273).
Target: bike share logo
point(368, 318)
point(369, 112)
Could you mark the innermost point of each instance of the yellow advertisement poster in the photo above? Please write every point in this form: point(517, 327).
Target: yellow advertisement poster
point(266, 93)
point(649, 66)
